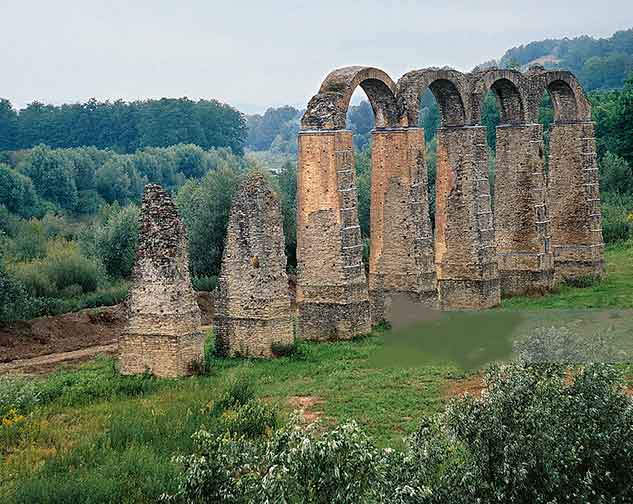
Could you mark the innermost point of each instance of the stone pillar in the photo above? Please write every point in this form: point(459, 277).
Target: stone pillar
point(574, 201)
point(253, 303)
point(163, 334)
point(524, 257)
point(465, 256)
point(401, 252)
point(332, 295)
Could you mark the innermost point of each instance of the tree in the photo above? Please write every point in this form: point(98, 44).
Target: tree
point(205, 207)
point(287, 181)
point(615, 174)
point(8, 125)
point(52, 175)
point(116, 238)
point(17, 193)
point(117, 180)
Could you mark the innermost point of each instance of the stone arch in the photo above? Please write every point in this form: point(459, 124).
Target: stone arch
point(568, 97)
point(327, 110)
point(449, 88)
point(511, 90)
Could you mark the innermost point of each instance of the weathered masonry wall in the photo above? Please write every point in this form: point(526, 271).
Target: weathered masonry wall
point(401, 252)
point(332, 295)
point(253, 304)
point(465, 254)
point(524, 255)
point(163, 334)
point(574, 197)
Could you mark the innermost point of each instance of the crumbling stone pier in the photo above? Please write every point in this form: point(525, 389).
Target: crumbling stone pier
point(163, 334)
point(253, 303)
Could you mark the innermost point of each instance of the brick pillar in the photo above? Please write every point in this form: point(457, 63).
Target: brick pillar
point(253, 305)
point(163, 334)
point(574, 201)
point(401, 253)
point(332, 295)
point(465, 255)
point(524, 256)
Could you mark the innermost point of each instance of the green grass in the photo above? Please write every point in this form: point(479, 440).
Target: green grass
point(100, 437)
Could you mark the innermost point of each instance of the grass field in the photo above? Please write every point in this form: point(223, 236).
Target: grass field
point(96, 436)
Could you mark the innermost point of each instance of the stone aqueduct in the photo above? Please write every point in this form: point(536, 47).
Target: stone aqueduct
point(544, 227)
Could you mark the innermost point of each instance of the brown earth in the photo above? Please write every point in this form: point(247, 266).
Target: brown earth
point(93, 327)
point(473, 385)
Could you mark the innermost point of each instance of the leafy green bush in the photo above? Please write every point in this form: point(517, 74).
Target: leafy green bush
point(15, 303)
point(537, 434)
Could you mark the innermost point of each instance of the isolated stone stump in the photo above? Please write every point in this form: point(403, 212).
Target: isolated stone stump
point(522, 223)
point(163, 334)
point(332, 295)
point(401, 263)
point(253, 303)
point(574, 201)
point(465, 255)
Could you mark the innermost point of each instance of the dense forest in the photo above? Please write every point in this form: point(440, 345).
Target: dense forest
point(71, 179)
point(121, 126)
point(599, 63)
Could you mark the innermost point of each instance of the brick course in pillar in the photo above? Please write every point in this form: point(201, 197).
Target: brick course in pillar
point(253, 304)
point(465, 253)
point(332, 295)
point(522, 221)
point(574, 196)
point(163, 333)
point(401, 252)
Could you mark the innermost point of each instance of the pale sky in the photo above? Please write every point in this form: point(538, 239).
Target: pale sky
point(254, 54)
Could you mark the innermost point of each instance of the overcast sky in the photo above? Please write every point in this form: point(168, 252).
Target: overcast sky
point(261, 53)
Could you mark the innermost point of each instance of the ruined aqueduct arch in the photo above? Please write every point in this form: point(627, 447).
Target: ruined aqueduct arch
point(540, 229)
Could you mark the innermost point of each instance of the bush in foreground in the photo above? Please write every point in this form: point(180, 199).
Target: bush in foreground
point(536, 435)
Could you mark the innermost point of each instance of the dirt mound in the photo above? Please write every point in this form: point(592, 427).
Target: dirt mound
point(74, 331)
point(62, 333)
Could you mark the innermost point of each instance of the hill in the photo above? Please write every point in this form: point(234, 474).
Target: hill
point(602, 63)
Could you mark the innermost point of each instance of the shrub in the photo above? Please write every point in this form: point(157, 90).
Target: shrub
point(65, 266)
point(239, 392)
point(15, 303)
point(252, 419)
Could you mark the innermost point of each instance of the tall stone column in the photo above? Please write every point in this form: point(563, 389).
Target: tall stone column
point(465, 255)
point(332, 295)
point(524, 256)
point(163, 334)
point(574, 198)
point(253, 304)
point(401, 253)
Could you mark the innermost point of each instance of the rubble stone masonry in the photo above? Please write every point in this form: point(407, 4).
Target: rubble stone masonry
point(332, 296)
point(401, 251)
point(253, 303)
point(574, 197)
point(163, 333)
point(465, 254)
point(522, 221)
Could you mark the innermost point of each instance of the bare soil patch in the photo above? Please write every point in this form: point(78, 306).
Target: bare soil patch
point(307, 405)
point(472, 385)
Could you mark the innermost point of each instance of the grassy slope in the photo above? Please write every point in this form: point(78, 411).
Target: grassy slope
point(122, 443)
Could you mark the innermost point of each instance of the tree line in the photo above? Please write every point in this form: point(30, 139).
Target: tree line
point(122, 126)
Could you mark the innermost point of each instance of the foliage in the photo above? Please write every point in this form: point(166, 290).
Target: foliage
point(205, 283)
point(617, 217)
point(17, 193)
point(14, 300)
point(599, 63)
point(116, 238)
point(274, 124)
point(204, 206)
point(287, 182)
point(124, 127)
